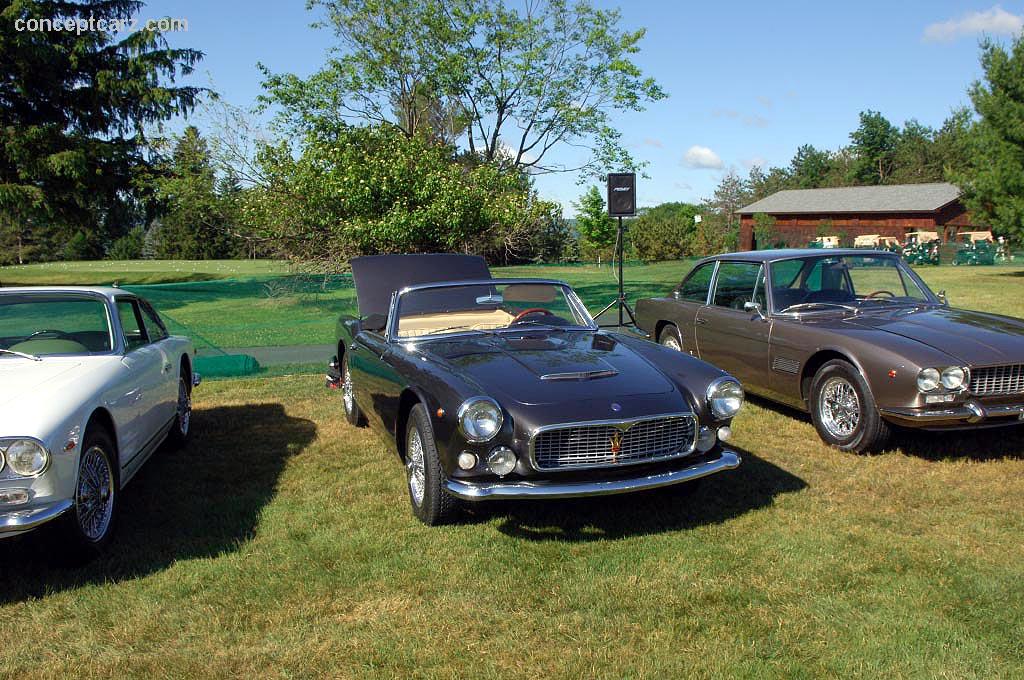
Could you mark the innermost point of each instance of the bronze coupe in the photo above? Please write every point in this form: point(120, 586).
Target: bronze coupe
point(855, 337)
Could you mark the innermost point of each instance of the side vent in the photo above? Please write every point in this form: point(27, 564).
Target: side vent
point(784, 365)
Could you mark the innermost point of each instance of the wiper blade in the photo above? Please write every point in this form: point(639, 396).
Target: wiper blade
point(23, 355)
point(805, 305)
point(533, 322)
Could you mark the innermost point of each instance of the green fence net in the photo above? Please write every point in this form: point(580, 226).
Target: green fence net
point(236, 324)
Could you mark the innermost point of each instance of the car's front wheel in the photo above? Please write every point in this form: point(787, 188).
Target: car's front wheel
point(90, 522)
point(181, 429)
point(430, 502)
point(843, 409)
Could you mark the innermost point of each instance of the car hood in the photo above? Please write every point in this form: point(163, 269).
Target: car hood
point(974, 338)
point(550, 367)
point(34, 391)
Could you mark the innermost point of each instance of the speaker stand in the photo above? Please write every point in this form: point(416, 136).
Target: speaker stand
point(620, 301)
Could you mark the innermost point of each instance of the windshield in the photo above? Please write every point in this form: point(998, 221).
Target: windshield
point(489, 307)
point(851, 281)
point(46, 326)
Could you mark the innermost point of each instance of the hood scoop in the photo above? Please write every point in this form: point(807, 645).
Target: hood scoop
point(581, 375)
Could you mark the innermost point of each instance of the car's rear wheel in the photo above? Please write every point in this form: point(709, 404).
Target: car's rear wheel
point(181, 429)
point(669, 337)
point(430, 502)
point(843, 409)
point(348, 397)
point(90, 523)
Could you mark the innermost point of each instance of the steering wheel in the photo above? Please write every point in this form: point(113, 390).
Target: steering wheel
point(532, 310)
point(880, 292)
point(49, 333)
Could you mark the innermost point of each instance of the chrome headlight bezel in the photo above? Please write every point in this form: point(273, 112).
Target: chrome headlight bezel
point(957, 377)
point(15, 465)
point(721, 394)
point(466, 411)
point(928, 379)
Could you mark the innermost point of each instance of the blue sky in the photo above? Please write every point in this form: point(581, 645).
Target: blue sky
point(748, 81)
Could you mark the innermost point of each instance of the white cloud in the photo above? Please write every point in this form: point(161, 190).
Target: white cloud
point(749, 163)
point(702, 157)
point(656, 143)
point(682, 186)
point(995, 21)
point(766, 102)
point(749, 120)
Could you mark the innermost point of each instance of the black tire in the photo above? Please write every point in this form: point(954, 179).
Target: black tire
point(96, 488)
point(669, 337)
point(431, 504)
point(847, 416)
point(181, 428)
point(353, 414)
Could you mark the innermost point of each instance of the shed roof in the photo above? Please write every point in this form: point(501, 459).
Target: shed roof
point(871, 199)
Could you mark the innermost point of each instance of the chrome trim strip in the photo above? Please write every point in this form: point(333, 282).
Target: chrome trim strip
point(971, 412)
point(515, 490)
point(622, 424)
point(580, 375)
point(17, 521)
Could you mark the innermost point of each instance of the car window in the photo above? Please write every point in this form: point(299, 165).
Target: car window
point(131, 324)
point(736, 284)
point(786, 273)
point(155, 328)
point(696, 285)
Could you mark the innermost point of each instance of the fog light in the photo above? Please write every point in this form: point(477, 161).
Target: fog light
point(939, 398)
point(467, 460)
point(706, 439)
point(725, 433)
point(501, 461)
point(14, 496)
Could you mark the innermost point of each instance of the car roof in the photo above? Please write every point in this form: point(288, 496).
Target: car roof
point(107, 292)
point(789, 253)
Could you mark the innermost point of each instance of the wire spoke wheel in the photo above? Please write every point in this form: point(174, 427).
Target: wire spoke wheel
point(414, 466)
point(184, 410)
point(348, 392)
point(94, 497)
point(839, 407)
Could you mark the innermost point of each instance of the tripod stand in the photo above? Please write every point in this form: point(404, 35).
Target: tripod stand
point(620, 301)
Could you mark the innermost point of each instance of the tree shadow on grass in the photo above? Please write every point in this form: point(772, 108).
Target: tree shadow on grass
point(202, 501)
point(715, 499)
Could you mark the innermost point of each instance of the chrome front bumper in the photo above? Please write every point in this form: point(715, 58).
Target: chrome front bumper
point(962, 415)
point(514, 490)
point(16, 521)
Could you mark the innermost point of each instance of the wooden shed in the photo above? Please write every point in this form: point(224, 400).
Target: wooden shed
point(889, 211)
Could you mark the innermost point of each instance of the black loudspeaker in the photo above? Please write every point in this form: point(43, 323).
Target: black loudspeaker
point(622, 194)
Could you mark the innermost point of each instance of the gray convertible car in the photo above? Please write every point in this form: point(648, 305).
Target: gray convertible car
point(506, 388)
point(855, 337)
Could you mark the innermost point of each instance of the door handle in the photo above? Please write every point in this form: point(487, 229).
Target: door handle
point(701, 322)
point(167, 367)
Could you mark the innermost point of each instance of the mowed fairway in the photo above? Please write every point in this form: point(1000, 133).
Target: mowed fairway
point(281, 544)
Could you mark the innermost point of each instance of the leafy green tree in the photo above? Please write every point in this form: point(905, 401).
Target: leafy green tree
point(73, 107)
point(664, 231)
point(874, 145)
point(519, 81)
point(809, 168)
point(129, 246)
point(596, 228)
point(993, 185)
point(731, 194)
point(368, 190)
point(765, 235)
point(761, 183)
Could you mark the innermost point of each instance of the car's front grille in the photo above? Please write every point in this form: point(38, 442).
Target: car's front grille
point(994, 380)
point(612, 443)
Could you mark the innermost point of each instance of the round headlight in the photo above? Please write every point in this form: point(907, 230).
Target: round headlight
point(27, 457)
point(501, 461)
point(479, 419)
point(953, 377)
point(725, 397)
point(928, 379)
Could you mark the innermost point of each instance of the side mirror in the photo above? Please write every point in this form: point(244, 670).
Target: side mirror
point(942, 298)
point(675, 294)
point(374, 323)
point(754, 307)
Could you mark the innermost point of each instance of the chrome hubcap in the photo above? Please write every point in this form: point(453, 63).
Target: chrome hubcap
point(94, 498)
point(839, 408)
point(184, 407)
point(347, 392)
point(671, 342)
point(414, 465)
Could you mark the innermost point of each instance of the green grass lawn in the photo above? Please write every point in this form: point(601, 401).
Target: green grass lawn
point(280, 544)
point(263, 303)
